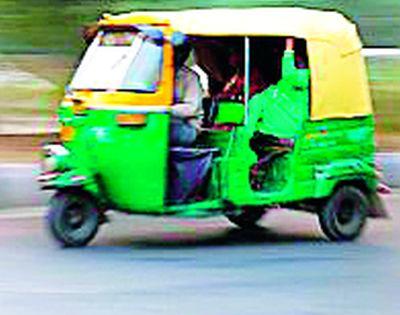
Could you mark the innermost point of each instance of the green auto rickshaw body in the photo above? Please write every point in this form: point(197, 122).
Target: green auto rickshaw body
point(117, 148)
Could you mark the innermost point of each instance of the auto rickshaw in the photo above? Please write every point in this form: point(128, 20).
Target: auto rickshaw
point(302, 140)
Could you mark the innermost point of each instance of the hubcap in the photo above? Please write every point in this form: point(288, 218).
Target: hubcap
point(75, 216)
point(346, 212)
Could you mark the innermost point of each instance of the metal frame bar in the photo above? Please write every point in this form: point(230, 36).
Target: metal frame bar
point(246, 77)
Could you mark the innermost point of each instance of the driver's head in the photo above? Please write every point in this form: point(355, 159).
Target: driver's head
point(181, 54)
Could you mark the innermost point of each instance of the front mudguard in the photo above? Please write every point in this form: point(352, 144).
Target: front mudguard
point(64, 168)
point(71, 179)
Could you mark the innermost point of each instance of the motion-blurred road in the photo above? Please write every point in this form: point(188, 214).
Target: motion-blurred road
point(144, 265)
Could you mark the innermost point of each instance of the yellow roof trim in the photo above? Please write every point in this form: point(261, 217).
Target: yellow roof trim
point(130, 19)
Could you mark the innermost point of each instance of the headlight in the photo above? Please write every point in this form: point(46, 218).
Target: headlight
point(55, 149)
point(49, 164)
point(53, 157)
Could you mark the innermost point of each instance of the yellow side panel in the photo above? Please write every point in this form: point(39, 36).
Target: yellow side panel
point(339, 85)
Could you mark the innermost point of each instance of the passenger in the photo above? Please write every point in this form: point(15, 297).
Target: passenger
point(187, 109)
point(234, 88)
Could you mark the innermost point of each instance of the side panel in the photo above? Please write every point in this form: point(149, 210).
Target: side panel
point(236, 169)
point(333, 150)
point(234, 164)
point(327, 153)
point(130, 161)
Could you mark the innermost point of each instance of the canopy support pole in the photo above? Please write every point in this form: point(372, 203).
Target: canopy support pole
point(246, 77)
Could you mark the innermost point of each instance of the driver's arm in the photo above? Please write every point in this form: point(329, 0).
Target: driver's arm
point(189, 103)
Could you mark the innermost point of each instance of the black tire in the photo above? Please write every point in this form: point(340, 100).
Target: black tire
point(73, 218)
point(247, 218)
point(344, 215)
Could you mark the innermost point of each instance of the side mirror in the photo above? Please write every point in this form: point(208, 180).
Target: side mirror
point(67, 90)
point(230, 113)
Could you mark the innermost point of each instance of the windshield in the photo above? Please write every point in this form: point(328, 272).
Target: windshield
point(120, 60)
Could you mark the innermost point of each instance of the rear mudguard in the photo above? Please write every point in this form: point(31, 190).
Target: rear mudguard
point(377, 208)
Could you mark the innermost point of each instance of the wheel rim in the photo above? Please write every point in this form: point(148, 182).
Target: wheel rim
point(344, 215)
point(77, 221)
point(348, 218)
point(74, 216)
point(347, 212)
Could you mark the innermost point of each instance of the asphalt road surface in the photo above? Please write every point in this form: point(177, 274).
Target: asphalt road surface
point(143, 265)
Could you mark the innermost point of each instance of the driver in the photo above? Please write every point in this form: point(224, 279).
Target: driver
point(187, 109)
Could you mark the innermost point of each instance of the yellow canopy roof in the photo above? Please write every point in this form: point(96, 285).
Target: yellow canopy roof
point(339, 85)
point(297, 22)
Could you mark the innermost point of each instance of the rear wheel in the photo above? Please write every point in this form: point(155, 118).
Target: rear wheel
point(247, 218)
point(73, 218)
point(344, 215)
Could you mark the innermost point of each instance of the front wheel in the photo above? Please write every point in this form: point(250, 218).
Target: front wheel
point(345, 214)
point(73, 218)
point(247, 218)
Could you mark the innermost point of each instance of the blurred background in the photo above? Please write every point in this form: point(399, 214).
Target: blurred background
point(40, 42)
